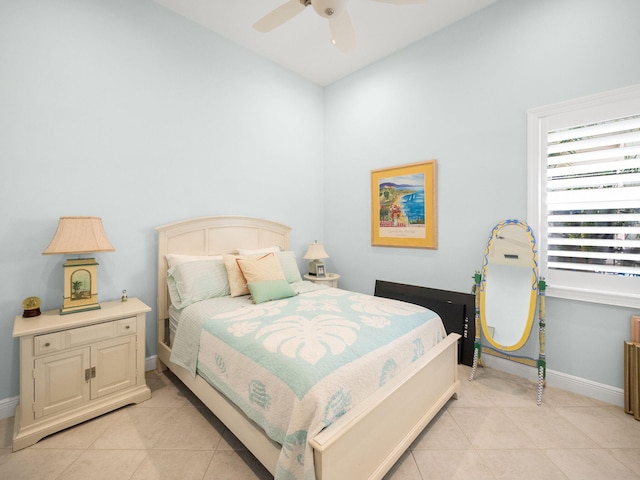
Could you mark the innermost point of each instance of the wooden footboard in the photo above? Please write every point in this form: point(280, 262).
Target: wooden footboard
point(366, 441)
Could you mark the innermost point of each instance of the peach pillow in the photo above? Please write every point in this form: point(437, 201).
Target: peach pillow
point(258, 269)
point(237, 283)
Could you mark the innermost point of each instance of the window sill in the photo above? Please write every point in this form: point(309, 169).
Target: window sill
point(594, 296)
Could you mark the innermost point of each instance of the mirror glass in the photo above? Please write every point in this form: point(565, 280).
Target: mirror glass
point(508, 289)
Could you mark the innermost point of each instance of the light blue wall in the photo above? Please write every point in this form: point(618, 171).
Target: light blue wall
point(461, 97)
point(123, 110)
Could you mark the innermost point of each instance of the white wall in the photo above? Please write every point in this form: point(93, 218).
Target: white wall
point(461, 97)
point(123, 110)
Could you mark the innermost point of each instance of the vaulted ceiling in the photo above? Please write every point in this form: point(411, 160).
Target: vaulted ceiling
point(303, 44)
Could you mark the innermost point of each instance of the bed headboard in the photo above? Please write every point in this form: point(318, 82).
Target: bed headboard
point(213, 236)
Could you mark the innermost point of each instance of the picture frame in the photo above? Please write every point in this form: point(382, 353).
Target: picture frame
point(320, 272)
point(403, 206)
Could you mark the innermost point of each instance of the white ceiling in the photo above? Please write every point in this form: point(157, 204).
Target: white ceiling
point(302, 45)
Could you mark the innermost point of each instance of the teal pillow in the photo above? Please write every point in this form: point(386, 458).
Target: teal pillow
point(265, 290)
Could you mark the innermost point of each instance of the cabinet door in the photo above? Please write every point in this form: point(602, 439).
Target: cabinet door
point(115, 363)
point(60, 382)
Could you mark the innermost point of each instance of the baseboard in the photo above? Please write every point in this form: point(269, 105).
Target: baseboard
point(581, 386)
point(8, 405)
point(570, 383)
point(150, 363)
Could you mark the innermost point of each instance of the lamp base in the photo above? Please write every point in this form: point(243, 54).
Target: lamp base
point(316, 268)
point(80, 286)
point(79, 308)
point(313, 266)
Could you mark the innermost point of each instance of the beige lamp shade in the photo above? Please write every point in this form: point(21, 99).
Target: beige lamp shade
point(315, 251)
point(79, 235)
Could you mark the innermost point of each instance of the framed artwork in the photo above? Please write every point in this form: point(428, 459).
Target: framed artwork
point(403, 206)
point(320, 270)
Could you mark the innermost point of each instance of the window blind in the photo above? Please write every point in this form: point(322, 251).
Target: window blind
point(593, 197)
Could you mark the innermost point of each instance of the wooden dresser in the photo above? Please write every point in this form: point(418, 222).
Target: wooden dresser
point(78, 366)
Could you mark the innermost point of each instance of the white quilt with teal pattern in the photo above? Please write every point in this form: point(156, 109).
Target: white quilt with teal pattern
point(296, 365)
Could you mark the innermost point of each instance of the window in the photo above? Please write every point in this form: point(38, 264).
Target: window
point(584, 196)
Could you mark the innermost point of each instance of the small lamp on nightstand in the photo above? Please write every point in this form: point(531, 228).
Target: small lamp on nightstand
point(77, 235)
point(315, 253)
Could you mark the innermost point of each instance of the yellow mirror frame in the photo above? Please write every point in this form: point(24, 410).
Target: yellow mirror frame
point(514, 255)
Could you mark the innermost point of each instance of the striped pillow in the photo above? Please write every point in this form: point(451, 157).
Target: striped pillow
point(195, 281)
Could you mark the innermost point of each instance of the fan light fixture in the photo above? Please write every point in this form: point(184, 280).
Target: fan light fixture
point(343, 35)
point(329, 8)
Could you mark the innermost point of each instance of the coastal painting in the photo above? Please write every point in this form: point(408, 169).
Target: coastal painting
point(403, 206)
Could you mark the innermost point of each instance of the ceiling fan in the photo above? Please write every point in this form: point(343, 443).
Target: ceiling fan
point(343, 35)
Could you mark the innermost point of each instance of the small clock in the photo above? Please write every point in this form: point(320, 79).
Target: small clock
point(31, 306)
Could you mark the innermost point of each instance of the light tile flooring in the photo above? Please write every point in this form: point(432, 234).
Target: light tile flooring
point(494, 430)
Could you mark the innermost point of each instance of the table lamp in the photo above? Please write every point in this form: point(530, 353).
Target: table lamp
point(316, 252)
point(76, 235)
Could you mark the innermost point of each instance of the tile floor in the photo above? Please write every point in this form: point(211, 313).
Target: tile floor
point(494, 430)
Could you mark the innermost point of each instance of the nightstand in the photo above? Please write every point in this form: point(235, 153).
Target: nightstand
point(78, 366)
point(330, 279)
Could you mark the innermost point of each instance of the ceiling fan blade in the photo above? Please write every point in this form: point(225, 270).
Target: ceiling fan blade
point(280, 15)
point(402, 2)
point(343, 35)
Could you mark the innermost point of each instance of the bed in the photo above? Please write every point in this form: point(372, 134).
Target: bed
point(366, 439)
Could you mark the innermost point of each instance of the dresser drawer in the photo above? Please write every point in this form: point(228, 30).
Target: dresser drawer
point(92, 333)
point(51, 342)
point(126, 326)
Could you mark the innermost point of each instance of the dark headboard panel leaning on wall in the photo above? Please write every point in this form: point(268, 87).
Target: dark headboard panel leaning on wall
point(456, 309)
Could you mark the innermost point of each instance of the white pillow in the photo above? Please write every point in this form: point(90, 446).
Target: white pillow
point(176, 259)
point(258, 251)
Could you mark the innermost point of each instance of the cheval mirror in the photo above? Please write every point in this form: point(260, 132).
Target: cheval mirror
point(506, 292)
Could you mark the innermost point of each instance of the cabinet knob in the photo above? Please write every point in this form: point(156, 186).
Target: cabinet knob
point(48, 344)
point(127, 327)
